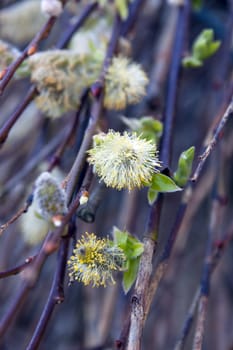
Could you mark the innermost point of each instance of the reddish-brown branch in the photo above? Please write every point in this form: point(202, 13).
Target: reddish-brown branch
point(28, 51)
point(16, 270)
point(5, 129)
point(15, 217)
point(57, 156)
point(31, 273)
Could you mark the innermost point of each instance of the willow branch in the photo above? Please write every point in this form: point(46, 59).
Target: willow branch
point(218, 251)
point(56, 296)
point(16, 270)
point(163, 261)
point(5, 129)
point(31, 274)
point(213, 140)
point(57, 156)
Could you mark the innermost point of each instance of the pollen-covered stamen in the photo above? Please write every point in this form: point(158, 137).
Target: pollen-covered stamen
point(94, 260)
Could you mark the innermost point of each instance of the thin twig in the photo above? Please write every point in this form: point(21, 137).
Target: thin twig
point(57, 156)
point(172, 84)
point(30, 274)
point(16, 216)
point(5, 129)
point(204, 289)
point(87, 11)
point(33, 163)
point(79, 162)
point(216, 256)
point(216, 217)
point(16, 270)
point(215, 137)
point(163, 261)
point(56, 296)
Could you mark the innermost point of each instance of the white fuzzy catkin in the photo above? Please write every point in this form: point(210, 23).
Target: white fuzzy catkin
point(51, 7)
point(49, 196)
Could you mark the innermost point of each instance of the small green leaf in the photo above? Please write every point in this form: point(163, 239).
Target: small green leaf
point(203, 47)
point(120, 237)
point(148, 127)
point(191, 62)
point(152, 196)
point(134, 248)
point(131, 246)
point(163, 183)
point(184, 169)
point(130, 275)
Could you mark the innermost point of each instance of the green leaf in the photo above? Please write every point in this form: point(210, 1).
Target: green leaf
point(131, 246)
point(134, 248)
point(184, 169)
point(191, 62)
point(152, 196)
point(120, 237)
point(163, 183)
point(148, 127)
point(130, 275)
point(204, 46)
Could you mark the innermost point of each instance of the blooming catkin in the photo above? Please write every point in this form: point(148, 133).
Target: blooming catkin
point(123, 161)
point(49, 197)
point(125, 83)
point(60, 77)
point(94, 260)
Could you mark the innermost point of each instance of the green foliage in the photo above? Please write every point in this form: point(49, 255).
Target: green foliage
point(148, 127)
point(184, 169)
point(132, 249)
point(130, 274)
point(160, 183)
point(152, 195)
point(203, 47)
